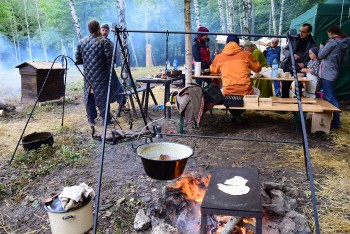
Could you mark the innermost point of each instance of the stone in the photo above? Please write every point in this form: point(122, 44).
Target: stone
point(300, 221)
point(280, 203)
point(165, 228)
point(267, 186)
point(287, 226)
point(141, 221)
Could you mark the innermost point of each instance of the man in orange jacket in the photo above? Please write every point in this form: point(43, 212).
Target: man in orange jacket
point(235, 64)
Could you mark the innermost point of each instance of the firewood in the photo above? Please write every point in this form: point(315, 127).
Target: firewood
point(230, 225)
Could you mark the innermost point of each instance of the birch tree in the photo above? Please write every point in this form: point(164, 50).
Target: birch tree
point(273, 17)
point(196, 12)
point(240, 20)
point(247, 12)
point(281, 18)
point(75, 19)
point(230, 21)
point(222, 16)
point(28, 33)
point(39, 25)
point(188, 41)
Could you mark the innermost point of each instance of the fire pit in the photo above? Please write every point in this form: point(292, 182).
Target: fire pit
point(216, 202)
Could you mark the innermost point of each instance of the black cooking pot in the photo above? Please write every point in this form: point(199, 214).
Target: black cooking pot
point(36, 139)
point(164, 160)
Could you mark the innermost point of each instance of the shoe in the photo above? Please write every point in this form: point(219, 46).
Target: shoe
point(237, 118)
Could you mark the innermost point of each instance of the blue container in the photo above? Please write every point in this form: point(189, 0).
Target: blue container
point(175, 64)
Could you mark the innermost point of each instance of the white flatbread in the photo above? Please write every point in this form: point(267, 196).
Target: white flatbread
point(236, 181)
point(234, 190)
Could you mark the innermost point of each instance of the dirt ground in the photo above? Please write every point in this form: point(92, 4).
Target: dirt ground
point(125, 186)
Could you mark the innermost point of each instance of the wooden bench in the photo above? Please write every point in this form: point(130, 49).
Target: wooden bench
point(321, 110)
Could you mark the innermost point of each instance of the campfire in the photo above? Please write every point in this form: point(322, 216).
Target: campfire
point(193, 190)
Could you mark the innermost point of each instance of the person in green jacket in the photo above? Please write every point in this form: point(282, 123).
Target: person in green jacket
point(265, 86)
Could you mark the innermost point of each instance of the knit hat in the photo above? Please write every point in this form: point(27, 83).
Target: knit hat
point(232, 38)
point(105, 26)
point(202, 29)
point(315, 51)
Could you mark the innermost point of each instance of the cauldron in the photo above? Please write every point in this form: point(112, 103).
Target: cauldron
point(36, 139)
point(169, 168)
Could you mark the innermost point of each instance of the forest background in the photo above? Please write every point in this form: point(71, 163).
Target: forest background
point(40, 30)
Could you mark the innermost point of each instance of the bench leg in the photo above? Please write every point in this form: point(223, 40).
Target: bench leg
point(153, 98)
point(321, 122)
point(133, 105)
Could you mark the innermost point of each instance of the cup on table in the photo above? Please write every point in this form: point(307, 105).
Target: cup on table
point(287, 75)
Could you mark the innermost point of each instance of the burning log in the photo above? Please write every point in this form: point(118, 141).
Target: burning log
point(230, 225)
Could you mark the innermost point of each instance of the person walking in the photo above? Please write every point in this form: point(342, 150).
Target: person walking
point(301, 46)
point(271, 53)
point(95, 53)
point(333, 55)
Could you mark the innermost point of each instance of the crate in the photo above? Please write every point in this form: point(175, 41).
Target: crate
point(265, 101)
point(251, 100)
point(33, 75)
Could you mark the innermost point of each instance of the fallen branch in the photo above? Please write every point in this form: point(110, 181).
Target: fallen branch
point(230, 225)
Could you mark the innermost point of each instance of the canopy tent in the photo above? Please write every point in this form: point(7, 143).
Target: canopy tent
point(321, 17)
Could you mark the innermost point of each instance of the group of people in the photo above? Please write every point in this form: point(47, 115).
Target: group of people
point(321, 64)
point(95, 53)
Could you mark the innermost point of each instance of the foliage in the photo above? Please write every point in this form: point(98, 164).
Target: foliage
point(58, 30)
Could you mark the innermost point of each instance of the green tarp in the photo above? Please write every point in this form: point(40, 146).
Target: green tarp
point(321, 17)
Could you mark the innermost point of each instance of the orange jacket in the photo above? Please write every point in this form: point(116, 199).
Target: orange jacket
point(234, 64)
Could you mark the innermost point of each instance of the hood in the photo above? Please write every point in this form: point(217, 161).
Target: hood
point(343, 43)
point(231, 49)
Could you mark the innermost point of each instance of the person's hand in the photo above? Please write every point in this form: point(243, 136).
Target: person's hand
point(321, 46)
point(296, 57)
point(301, 65)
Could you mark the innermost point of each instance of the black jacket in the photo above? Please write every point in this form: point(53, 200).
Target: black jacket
point(96, 55)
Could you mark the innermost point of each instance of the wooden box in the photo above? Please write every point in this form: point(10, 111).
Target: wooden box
point(33, 75)
point(251, 100)
point(265, 101)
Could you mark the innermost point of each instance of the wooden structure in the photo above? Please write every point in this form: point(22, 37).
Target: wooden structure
point(33, 75)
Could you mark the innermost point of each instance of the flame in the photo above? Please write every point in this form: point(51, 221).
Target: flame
point(193, 188)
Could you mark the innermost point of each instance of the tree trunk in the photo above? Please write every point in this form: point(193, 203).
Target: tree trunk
point(240, 21)
point(230, 21)
point(41, 35)
point(222, 16)
point(196, 12)
point(133, 51)
point(281, 18)
point(16, 33)
point(273, 17)
point(188, 41)
point(14, 43)
point(253, 19)
point(247, 12)
point(28, 33)
point(75, 19)
point(270, 23)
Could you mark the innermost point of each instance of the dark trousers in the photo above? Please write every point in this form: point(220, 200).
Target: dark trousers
point(91, 111)
point(286, 85)
point(329, 95)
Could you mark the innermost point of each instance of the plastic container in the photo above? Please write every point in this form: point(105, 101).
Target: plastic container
point(176, 64)
point(274, 70)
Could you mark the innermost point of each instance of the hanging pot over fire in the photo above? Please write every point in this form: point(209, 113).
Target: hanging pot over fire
point(164, 160)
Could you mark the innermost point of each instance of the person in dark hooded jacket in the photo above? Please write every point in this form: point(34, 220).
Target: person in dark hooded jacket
point(201, 52)
point(95, 53)
point(333, 55)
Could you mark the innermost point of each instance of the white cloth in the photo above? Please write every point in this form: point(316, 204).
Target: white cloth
point(72, 196)
point(235, 186)
point(311, 86)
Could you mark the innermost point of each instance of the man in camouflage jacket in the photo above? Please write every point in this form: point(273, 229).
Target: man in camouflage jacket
point(95, 53)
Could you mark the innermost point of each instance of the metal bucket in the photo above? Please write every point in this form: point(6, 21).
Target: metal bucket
point(75, 221)
point(168, 168)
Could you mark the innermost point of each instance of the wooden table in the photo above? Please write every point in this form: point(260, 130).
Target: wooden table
point(302, 79)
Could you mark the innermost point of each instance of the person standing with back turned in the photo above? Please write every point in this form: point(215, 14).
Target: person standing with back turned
point(301, 46)
point(333, 55)
point(95, 53)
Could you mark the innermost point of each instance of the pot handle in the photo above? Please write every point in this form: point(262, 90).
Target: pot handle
point(68, 217)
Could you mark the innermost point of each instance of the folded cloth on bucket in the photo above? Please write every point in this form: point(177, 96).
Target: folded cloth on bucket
point(73, 196)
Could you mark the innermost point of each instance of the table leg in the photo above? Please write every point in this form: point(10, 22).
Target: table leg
point(153, 97)
point(146, 98)
point(166, 98)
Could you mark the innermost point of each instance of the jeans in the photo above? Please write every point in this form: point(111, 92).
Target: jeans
point(329, 95)
point(277, 87)
point(91, 111)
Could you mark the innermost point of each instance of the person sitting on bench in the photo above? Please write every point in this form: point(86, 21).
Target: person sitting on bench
point(235, 64)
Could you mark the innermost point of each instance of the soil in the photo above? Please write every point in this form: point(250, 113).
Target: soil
point(125, 186)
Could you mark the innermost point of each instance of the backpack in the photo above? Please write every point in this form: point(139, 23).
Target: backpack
point(213, 94)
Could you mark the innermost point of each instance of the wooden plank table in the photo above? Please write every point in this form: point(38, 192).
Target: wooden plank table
point(300, 79)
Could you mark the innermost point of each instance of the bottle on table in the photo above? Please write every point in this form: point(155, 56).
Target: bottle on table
point(274, 70)
point(176, 64)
